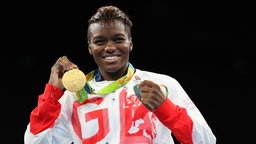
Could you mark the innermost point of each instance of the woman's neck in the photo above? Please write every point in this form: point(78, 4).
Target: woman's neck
point(112, 76)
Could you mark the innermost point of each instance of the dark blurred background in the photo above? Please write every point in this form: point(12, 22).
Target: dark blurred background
point(206, 45)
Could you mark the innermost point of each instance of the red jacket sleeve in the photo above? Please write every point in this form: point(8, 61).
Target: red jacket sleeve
point(47, 110)
point(177, 120)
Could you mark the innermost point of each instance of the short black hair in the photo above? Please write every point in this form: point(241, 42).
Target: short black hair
point(110, 13)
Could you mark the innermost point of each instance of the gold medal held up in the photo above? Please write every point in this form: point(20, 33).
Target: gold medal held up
point(74, 80)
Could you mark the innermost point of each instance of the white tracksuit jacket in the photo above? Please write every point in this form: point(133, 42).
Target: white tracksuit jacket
point(118, 117)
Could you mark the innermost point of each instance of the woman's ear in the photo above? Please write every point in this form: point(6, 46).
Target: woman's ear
point(130, 48)
point(89, 48)
point(90, 51)
point(131, 45)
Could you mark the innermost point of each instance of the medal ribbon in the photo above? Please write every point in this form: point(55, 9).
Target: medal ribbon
point(82, 94)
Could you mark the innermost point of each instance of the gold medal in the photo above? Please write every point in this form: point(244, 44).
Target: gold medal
point(74, 80)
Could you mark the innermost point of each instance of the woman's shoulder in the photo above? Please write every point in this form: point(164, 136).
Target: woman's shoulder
point(145, 74)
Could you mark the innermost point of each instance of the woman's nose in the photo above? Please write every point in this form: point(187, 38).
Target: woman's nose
point(110, 46)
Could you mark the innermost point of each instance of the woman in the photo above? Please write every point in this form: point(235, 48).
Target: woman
point(119, 103)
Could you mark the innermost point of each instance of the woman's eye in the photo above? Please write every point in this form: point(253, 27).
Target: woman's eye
point(99, 42)
point(119, 40)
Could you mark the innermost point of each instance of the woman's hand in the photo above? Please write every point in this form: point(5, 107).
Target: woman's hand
point(58, 69)
point(151, 94)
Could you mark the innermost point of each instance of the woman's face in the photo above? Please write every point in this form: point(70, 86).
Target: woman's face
point(110, 46)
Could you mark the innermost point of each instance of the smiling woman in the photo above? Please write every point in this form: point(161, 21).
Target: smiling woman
point(110, 45)
point(112, 111)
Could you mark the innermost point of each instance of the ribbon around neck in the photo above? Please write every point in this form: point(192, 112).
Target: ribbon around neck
point(83, 93)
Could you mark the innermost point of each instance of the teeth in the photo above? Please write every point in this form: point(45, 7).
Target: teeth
point(111, 57)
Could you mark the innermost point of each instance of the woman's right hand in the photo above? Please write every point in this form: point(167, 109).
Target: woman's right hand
point(58, 69)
